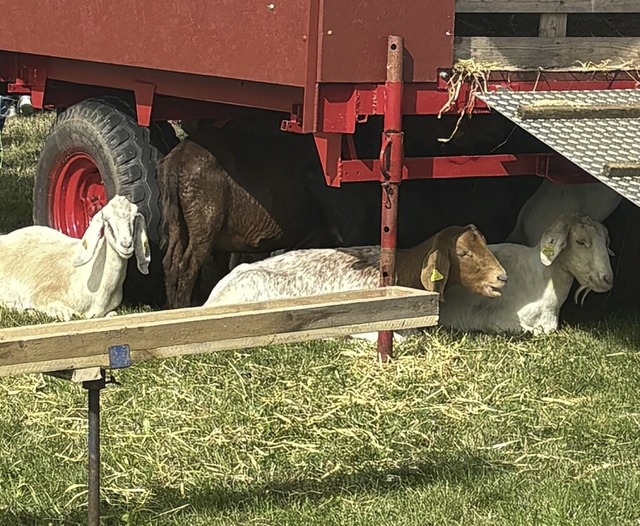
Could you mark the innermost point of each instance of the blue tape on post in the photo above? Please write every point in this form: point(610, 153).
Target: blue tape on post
point(119, 356)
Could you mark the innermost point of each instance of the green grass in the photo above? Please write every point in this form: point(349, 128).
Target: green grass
point(458, 429)
point(21, 141)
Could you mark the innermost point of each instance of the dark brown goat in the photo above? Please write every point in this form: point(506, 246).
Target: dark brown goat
point(216, 198)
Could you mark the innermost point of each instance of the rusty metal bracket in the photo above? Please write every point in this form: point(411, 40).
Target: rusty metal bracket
point(329, 147)
point(385, 167)
point(294, 123)
point(38, 84)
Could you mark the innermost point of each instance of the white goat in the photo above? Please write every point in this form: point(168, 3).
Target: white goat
point(47, 271)
point(540, 279)
point(551, 200)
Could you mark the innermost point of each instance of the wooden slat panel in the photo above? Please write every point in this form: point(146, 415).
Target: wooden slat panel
point(553, 25)
point(548, 6)
point(82, 344)
point(513, 53)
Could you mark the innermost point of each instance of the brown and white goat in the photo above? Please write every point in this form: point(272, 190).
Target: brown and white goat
point(456, 255)
point(217, 197)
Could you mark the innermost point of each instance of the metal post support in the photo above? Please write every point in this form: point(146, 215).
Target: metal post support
point(93, 388)
point(391, 164)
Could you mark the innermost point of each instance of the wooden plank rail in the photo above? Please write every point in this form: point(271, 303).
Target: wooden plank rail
point(551, 49)
point(570, 53)
point(568, 110)
point(85, 343)
point(548, 6)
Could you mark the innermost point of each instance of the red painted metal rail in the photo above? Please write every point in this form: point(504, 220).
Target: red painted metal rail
point(390, 167)
point(551, 166)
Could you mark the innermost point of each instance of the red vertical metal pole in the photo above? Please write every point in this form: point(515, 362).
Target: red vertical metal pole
point(392, 161)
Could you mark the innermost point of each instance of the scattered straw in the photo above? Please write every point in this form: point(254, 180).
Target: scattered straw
point(607, 65)
point(464, 71)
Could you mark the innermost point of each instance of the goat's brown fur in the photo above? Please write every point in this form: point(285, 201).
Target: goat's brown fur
point(217, 197)
point(459, 254)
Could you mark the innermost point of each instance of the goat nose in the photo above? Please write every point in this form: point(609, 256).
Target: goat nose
point(503, 277)
point(607, 278)
point(126, 243)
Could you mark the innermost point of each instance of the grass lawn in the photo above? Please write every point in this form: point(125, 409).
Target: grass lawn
point(459, 429)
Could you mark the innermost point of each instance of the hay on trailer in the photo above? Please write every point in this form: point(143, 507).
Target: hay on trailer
point(607, 65)
point(464, 71)
point(477, 74)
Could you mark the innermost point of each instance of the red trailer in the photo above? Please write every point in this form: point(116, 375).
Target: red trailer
point(120, 70)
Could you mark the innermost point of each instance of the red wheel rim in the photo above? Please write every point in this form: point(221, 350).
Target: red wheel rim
point(77, 194)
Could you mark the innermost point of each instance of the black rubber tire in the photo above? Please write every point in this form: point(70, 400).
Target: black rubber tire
point(126, 155)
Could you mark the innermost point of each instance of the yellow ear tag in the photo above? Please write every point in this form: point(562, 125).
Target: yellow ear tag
point(435, 275)
point(84, 243)
point(547, 250)
point(145, 246)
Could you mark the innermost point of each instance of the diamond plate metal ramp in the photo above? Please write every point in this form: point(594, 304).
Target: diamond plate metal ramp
point(597, 130)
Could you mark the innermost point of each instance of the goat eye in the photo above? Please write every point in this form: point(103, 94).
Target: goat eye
point(581, 242)
point(464, 254)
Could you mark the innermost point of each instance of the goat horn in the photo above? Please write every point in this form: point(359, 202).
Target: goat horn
point(576, 296)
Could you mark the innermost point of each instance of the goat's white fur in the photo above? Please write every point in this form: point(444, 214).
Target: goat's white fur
point(551, 200)
point(238, 258)
point(301, 273)
point(540, 279)
point(44, 270)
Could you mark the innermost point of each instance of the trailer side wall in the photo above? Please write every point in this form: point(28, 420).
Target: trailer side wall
point(260, 41)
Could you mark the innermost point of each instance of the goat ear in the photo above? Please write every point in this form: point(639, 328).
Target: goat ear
point(90, 241)
point(141, 244)
point(609, 251)
point(554, 240)
point(435, 271)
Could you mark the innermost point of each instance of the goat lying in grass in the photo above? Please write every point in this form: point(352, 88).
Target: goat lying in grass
point(540, 279)
point(551, 200)
point(44, 270)
point(456, 255)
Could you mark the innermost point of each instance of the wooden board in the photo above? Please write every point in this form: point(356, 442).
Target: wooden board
point(514, 53)
point(553, 25)
point(85, 343)
point(548, 6)
point(568, 110)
